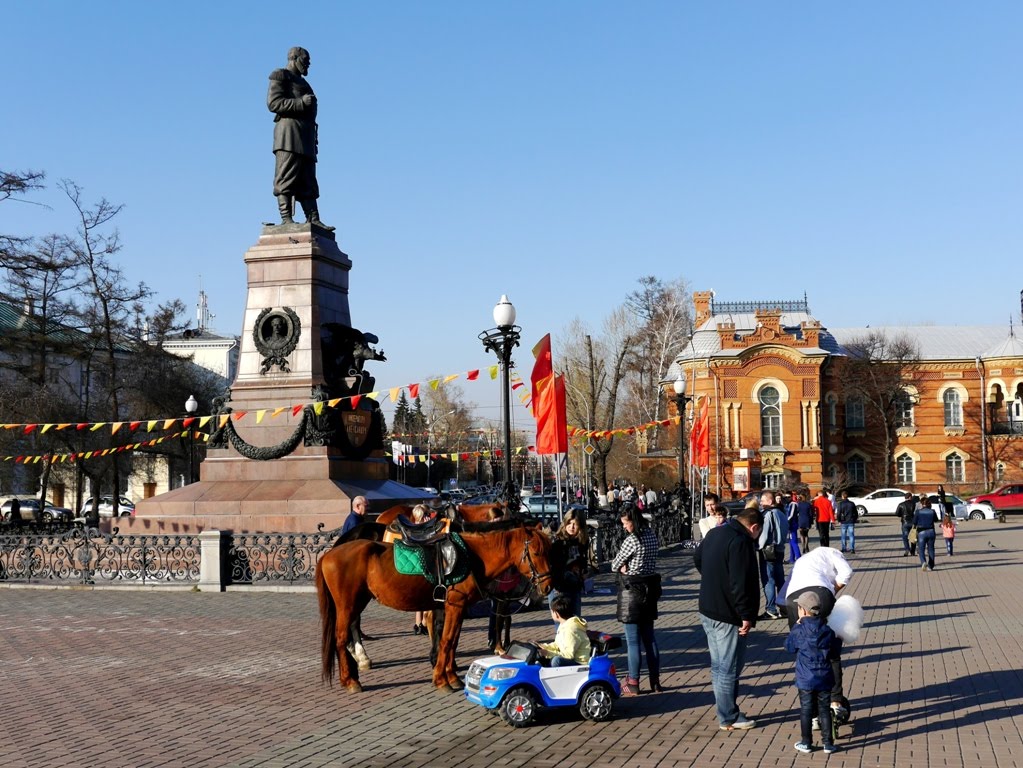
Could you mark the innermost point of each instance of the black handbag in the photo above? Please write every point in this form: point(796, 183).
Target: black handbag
point(637, 597)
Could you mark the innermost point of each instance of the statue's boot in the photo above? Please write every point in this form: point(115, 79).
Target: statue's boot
point(312, 214)
point(284, 204)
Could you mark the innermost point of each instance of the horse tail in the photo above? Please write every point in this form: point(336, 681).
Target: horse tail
point(328, 624)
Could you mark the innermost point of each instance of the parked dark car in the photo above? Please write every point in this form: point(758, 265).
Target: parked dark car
point(50, 514)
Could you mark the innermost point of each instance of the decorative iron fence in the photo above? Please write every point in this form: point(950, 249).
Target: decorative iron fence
point(88, 556)
point(277, 557)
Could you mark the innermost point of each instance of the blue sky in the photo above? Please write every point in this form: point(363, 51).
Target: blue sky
point(866, 154)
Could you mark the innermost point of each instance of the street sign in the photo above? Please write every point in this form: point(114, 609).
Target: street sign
point(588, 449)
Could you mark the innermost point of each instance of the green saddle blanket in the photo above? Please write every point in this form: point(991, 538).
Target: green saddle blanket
point(414, 560)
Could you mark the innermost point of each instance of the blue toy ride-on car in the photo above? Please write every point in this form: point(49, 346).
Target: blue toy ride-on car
point(518, 683)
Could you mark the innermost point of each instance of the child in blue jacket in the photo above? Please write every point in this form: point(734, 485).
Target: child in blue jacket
point(815, 644)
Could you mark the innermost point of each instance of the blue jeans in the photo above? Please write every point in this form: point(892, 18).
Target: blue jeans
point(925, 546)
point(814, 704)
point(772, 576)
point(849, 529)
point(727, 655)
point(642, 632)
point(561, 661)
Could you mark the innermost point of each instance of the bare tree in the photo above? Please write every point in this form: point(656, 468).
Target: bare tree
point(595, 369)
point(14, 185)
point(877, 369)
point(665, 322)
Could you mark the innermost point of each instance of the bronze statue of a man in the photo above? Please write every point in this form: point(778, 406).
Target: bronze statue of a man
point(293, 103)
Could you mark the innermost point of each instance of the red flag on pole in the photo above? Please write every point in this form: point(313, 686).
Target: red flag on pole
point(551, 420)
point(700, 445)
point(543, 368)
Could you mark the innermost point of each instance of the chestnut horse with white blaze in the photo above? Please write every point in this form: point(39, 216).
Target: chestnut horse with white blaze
point(352, 574)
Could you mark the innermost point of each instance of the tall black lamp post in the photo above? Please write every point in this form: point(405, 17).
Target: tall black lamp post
point(501, 341)
point(680, 402)
point(191, 406)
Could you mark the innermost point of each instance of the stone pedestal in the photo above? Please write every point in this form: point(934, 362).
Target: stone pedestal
point(298, 275)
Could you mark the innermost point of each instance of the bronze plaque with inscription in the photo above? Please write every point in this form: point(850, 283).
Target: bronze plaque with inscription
point(357, 425)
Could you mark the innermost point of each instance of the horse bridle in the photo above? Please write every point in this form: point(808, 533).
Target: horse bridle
point(534, 575)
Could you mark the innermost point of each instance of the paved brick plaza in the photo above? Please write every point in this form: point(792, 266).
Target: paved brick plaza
point(169, 678)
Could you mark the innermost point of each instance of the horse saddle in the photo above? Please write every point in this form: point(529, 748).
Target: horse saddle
point(429, 531)
point(440, 557)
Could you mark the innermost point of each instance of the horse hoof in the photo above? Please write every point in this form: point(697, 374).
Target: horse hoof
point(354, 687)
point(443, 688)
point(457, 685)
point(365, 664)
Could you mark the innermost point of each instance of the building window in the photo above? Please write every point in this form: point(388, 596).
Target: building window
point(953, 408)
point(904, 410)
point(905, 469)
point(773, 481)
point(831, 404)
point(999, 472)
point(854, 412)
point(770, 417)
point(954, 468)
point(856, 467)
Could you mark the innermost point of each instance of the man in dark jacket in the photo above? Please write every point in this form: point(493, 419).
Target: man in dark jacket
point(906, 512)
point(847, 516)
point(729, 599)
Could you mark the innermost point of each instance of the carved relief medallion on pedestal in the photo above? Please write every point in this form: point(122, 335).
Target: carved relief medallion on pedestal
point(276, 333)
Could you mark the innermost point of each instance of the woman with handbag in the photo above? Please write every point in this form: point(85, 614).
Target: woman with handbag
point(639, 587)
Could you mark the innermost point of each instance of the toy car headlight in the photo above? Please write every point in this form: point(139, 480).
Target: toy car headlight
point(502, 673)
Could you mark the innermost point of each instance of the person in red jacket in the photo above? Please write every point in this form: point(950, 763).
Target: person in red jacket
point(825, 514)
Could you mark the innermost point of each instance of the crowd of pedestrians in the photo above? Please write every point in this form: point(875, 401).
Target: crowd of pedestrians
point(741, 556)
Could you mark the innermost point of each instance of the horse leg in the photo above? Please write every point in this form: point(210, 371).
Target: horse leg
point(504, 626)
point(451, 671)
point(444, 675)
point(435, 625)
point(356, 648)
point(348, 669)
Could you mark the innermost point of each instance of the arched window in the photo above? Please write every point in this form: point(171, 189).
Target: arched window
point(854, 412)
point(770, 417)
point(904, 410)
point(857, 469)
point(905, 469)
point(999, 471)
point(954, 468)
point(953, 408)
point(831, 408)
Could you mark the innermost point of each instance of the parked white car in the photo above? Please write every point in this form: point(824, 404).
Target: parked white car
point(883, 501)
point(976, 512)
point(125, 506)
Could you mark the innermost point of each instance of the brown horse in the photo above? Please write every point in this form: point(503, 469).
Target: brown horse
point(350, 575)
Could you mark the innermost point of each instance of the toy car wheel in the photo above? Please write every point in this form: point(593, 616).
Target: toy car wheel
point(518, 708)
point(596, 702)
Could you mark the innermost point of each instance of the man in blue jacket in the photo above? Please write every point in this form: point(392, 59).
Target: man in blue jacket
point(729, 600)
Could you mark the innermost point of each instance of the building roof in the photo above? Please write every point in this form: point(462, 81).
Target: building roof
point(937, 342)
point(1010, 346)
point(14, 321)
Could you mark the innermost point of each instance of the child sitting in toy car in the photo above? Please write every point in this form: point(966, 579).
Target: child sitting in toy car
point(571, 644)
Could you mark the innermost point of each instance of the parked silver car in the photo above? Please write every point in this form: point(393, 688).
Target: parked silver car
point(125, 506)
point(51, 514)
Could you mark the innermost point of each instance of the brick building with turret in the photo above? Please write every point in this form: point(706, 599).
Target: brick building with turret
point(782, 413)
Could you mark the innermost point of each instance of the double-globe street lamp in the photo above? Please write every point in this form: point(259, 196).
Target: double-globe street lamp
point(681, 399)
point(501, 341)
point(191, 406)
